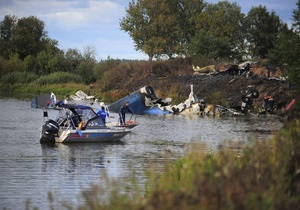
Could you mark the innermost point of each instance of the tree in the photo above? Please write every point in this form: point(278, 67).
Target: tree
point(187, 13)
point(223, 20)
point(86, 66)
point(286, 51)
point(262, 30)
point(25, 36)
point(29, 35)
point(154, 27)
point(72, 59)
point(296, 17)
point(206, 45)
point(7, 28)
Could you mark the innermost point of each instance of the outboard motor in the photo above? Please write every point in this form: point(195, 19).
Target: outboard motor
point(49, 132)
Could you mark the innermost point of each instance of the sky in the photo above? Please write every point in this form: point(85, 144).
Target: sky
point(81, 24)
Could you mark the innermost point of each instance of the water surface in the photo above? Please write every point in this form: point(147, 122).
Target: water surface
point(28, 170)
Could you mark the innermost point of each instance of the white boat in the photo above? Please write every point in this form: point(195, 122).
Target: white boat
point(78, 123)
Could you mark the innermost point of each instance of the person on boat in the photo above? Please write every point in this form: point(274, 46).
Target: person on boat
point(103, 114)
point(123, 110)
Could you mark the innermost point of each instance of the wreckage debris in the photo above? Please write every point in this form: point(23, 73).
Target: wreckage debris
point(246, 69)
point(145, 101)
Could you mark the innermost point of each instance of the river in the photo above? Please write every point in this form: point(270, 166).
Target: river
point(30, 170)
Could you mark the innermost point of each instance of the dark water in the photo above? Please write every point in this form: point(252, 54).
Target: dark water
point(28, 170)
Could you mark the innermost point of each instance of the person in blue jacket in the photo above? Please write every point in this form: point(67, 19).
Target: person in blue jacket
point(123, 110)
point(103, 114)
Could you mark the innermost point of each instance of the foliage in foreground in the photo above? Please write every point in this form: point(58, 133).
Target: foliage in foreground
point(265, 176)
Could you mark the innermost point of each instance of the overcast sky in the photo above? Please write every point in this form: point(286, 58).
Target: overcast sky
point(95, 23)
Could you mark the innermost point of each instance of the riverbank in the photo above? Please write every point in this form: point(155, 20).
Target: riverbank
point(173, 79)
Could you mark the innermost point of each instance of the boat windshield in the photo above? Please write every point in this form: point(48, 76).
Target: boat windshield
point(87, 116)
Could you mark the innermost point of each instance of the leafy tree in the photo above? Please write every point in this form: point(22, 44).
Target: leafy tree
point(262, 30)
point(296, 17)
point(7, 28)
point(187, 13)
point(29, 35)
point(154, 27)
point(72, 59)
point(206, 45)
point(47, 60)
point(46, 63)
point(25, 36)
point(86, 66)
point(287, 50)
point(223, 20)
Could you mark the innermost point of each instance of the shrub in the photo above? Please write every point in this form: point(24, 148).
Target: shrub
point(59, 78)
point(18, 77)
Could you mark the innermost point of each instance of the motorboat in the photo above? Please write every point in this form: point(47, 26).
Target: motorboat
point(78, 124)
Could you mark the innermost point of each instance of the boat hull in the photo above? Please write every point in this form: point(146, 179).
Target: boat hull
point(91, 136)
point(129, 124)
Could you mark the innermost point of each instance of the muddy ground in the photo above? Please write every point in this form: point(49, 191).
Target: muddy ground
point(225, 88)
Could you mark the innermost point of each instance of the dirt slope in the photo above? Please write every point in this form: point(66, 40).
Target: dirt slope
point(226, 89)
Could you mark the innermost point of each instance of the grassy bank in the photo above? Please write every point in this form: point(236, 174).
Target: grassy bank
point(263, 176)
point(30, 90)
point(170, 79)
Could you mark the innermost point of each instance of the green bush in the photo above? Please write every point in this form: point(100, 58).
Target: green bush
point(18, 77)
point(59, 78)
